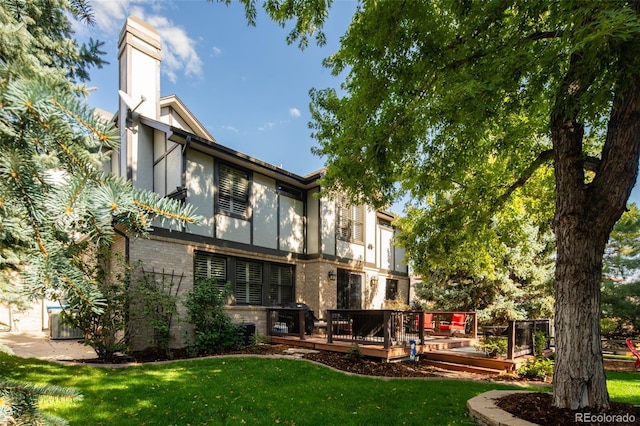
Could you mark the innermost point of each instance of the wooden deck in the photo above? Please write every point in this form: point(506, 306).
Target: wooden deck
point(437, 351)
point(319, 342)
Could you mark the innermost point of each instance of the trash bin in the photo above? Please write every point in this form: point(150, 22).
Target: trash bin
point(247, 330)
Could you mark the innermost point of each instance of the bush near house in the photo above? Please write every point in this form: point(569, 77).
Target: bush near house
point(213, 329)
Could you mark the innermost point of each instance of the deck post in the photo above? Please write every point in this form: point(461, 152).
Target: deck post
point(330, 326)
point(387, 329)
point(511, 346)
point(421, 326)
point(301, 322)
point(475, 325)
point(269, 322)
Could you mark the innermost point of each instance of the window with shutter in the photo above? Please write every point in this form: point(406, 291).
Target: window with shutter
point(209, 266)
point(281, 289)
point(350, 221)
point(233, 191)
point(248, 288)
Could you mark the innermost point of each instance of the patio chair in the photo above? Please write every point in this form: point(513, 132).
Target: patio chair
point(428, 323)
point(457, 325)
point(634, 351)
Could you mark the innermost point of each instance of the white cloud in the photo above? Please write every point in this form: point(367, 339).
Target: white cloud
point(179, 54)
point(294, 112)
point(230, 129)
point(267, 126)
point(217, 51)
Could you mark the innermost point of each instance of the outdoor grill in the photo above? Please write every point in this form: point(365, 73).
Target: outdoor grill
point(291, 318)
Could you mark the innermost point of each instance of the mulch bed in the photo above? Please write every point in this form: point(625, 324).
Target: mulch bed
point(538, 408)
point(534, 407)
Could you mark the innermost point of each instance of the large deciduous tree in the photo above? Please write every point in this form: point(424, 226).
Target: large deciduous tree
point(435, 87)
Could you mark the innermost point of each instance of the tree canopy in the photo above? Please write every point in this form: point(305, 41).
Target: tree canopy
point(474, 98)
point(54, 193)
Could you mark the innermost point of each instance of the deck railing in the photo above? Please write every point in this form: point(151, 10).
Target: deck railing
point(289, 322)
point(388, 327)
point(521, 336)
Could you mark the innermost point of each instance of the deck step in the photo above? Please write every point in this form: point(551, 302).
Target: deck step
point(502, 365)
point(452, 366)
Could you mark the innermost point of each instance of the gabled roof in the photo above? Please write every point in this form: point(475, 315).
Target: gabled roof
point(174, 102)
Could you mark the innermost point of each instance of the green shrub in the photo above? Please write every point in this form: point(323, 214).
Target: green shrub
point(538, 368)
point(154, 298)
point(539, 343)
point(106, 330)
point(213, 329)
point(493, 345)
point(354, 353)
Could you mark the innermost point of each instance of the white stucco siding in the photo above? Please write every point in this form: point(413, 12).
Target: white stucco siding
point(349, 250)
point(265, 211)
point(142, 161)
point(386, 249)
point(233, 229)
point(370, 236)
point(313, 223)
point(328, 225)
point(171, 117)
point(291, 217)
point(200, 190)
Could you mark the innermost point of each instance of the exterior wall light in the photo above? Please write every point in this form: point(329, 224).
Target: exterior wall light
point(332, 275)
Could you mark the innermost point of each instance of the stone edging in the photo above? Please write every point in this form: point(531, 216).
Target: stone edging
point(485, 411)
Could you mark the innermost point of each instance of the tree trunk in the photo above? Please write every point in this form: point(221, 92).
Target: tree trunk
point(585, 215)
point(579, 378)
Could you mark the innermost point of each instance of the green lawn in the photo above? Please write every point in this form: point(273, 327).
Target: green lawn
point(257, 391)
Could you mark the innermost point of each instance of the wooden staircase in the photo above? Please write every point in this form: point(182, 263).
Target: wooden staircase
point(470, 363)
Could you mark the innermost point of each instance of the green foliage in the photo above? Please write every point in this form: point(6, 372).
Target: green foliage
point(537, 368)
point(213, 329)
point(494, 345)
point(53, 190)
point(465, 105)
point(540, 340)
point(106, 331)
point(308, 17)
point(20, 403)
point(154, 298)
point(620, 287)
point(258, 339)
point(513, 281)
point(354, 352)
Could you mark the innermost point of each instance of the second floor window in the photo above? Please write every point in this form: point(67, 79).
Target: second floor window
point(350, 221)
point(233, 191)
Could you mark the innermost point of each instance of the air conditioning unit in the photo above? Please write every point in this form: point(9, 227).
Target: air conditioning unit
point(58, 330)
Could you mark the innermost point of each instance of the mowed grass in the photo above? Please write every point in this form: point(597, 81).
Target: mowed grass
point(245, 390)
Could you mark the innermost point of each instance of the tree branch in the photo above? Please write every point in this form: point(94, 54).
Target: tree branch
point(542, 158)
point(592, 164)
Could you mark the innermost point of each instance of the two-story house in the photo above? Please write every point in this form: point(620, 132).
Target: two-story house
point(266, 231)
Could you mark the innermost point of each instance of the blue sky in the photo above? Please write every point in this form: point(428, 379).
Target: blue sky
point(245, 84)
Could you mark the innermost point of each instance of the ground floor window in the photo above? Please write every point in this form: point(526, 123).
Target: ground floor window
point(391, 290)
point(252, 282)
point(349, 290)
